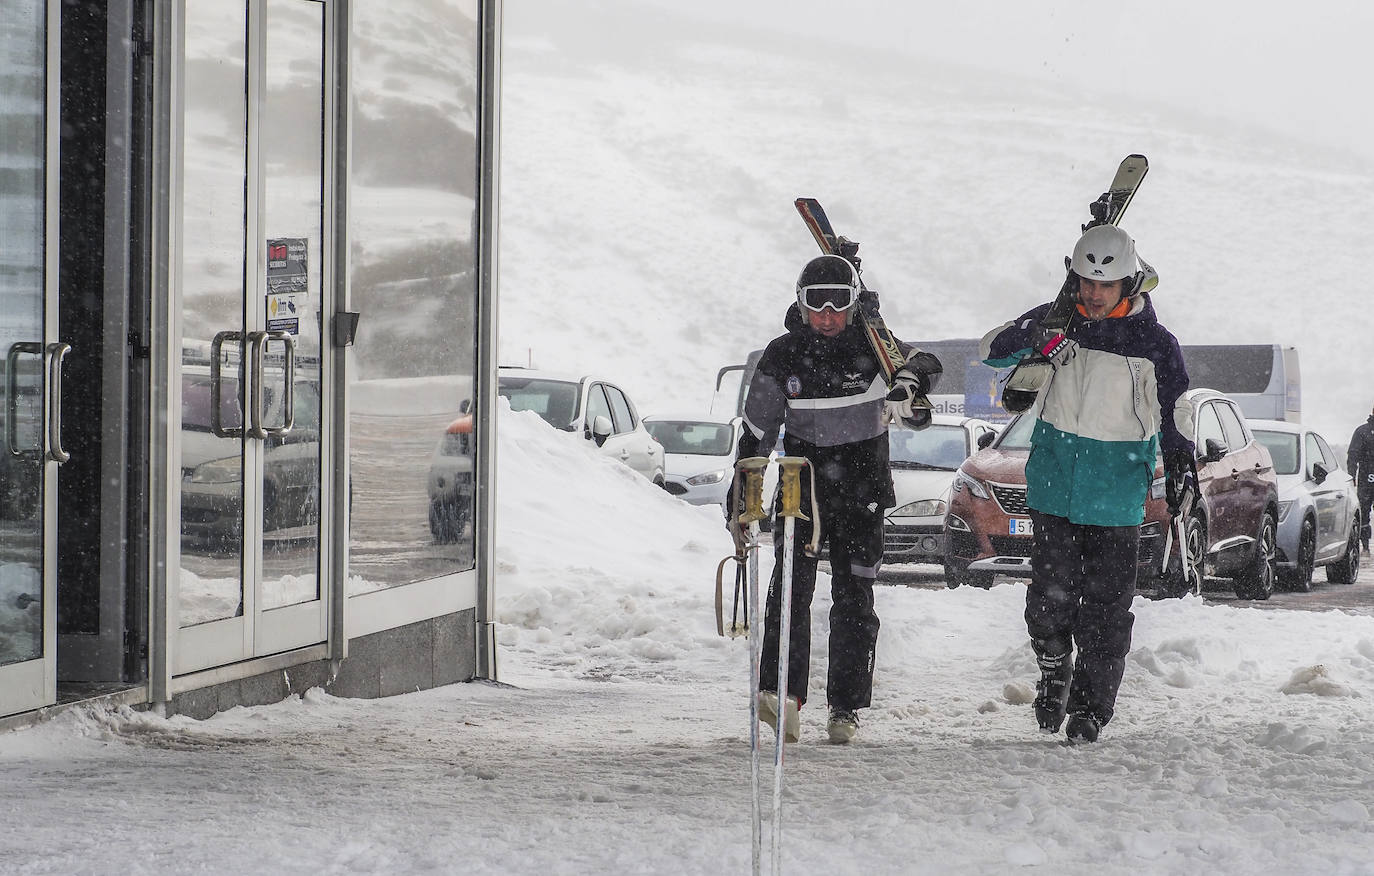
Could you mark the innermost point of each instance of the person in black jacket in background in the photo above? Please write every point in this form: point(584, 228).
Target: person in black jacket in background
point(823, 383)
point(1359, 461)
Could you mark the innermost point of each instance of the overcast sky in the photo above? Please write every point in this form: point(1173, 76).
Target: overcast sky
point(1302, 69)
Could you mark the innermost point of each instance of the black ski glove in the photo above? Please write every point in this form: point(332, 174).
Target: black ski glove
point(1053, 345)
point(1180, 477)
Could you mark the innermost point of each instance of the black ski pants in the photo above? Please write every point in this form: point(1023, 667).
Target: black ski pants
point(855, 537)
point(1082, 584)
point(1366, 495)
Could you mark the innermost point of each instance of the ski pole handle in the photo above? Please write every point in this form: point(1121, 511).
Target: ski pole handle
point(790, 476)
point(752, 468)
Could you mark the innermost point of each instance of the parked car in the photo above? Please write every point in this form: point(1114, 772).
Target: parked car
point(1319, 510)
point(450, 484)
point(212, 464)
point(923, 465)
point(596, 409)
point(698, 455)
point(1231, 532)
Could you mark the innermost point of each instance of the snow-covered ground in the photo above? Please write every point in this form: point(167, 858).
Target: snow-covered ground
point(1243, 743)
point(648, 233)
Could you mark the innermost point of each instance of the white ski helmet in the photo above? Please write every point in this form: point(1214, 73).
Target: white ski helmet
point(828, 281)
point(1106, 253)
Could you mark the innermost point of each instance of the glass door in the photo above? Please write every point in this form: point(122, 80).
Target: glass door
point(252, 299)
point(30, 371)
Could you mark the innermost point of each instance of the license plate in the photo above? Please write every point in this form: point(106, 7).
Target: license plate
point(1019, 526)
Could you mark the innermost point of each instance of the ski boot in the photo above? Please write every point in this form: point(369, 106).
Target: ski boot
point(768, 714)
point(1052, 691)
point(842, 726)
point(1082, 727)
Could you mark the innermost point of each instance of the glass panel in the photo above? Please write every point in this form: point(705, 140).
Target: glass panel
point(1313, 454)
point(1230, 424)
point(1209, 427)
point(1283, 449)
point(22, 163)
point(693, 437)
point(935, 447)
point(292, 141)
point(624, 421)
point(555, 401)
point(212, 249)
point(413, 257)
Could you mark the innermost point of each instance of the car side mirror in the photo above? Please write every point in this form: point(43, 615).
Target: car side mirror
point(986, 439)
point(601, 429)
point(1319, 472)
point(1215, 450)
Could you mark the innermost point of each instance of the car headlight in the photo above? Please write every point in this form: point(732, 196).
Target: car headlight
point(1157, 488)
point(923, 508)
point(710, 477)
point(974, 485)
point(1285, 507)
point(218, 471)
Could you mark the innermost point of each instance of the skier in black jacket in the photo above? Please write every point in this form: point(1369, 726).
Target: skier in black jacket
point(1359, 461)
point(822, 381)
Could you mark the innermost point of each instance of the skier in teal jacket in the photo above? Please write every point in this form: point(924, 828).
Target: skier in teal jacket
point(1114, 402)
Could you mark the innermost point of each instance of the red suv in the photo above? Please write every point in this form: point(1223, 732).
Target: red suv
point(988, 527)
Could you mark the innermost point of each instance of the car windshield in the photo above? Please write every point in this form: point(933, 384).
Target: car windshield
point(1017, 434)
point(1283, 448)
point(555, 401)
point(689, 436)
point(934, 447)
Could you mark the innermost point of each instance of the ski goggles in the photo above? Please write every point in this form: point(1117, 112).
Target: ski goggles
point(838, 298)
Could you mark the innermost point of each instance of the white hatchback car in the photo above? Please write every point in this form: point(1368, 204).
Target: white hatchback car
point(923, 465)
point(597, 410)
point(699, 455)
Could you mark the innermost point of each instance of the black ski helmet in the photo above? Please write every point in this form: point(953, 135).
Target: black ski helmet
point(829, 272)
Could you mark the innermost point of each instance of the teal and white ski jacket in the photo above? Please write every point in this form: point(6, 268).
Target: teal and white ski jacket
point(1101, 423)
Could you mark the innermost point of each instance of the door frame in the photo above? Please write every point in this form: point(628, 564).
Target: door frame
point(257, 632)
point(32, 684)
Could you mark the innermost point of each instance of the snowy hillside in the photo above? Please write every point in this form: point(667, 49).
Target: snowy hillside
point(648, 178)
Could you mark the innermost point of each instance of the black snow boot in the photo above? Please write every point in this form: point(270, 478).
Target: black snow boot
point(1052, 691)
point(1083, 727)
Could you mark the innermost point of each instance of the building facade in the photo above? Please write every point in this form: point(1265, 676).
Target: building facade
point(247, 317)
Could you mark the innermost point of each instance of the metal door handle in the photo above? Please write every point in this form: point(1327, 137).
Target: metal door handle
point(257, 345)
point(56, 353)
point(288, 409)
point(31, 348)
point(217, 425)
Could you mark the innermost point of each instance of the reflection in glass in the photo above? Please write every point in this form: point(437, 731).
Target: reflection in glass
point(212, 271)
point(22, 163)
point(292, 139)
point(413, 279)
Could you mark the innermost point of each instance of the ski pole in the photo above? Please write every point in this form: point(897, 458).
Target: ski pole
point(790, 477)
point(751, 470)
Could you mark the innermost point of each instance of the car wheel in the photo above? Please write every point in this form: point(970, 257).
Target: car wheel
point(958, 576)
point(1347, 568)
point(1257, 581)
point(1299, 579)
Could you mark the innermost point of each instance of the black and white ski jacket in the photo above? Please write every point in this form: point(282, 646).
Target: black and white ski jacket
point(1359, 457)
point(828, 393)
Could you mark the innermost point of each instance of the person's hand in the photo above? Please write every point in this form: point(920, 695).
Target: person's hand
point(1179, 478)
point(1053, 345)
point(901, 404)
